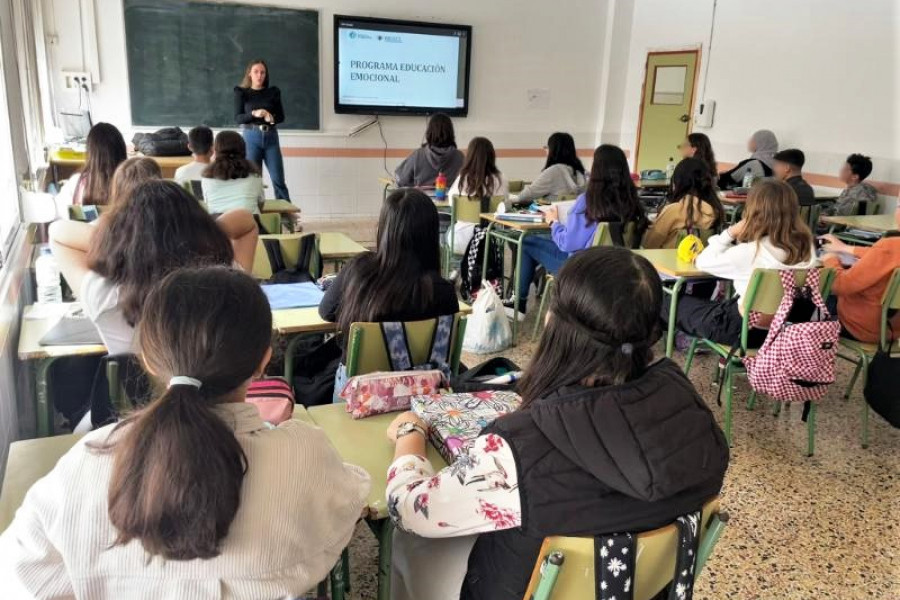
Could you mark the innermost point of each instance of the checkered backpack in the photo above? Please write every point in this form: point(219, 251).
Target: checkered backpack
point(796, 362)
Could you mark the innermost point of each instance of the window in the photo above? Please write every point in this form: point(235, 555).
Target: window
point(669, 84)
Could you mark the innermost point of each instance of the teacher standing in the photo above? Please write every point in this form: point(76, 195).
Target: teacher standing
point(257, 109)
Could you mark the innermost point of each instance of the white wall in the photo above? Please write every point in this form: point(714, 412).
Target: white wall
point(517, 45)
point(822, 75)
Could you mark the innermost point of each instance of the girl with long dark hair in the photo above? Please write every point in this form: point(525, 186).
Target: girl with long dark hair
point(611, 196)
point(193, 494)
point(401, 280)
point(105, 150)
point(231, 181)
point(697, 145)
point(438, 154)
point(563, 172)
point(478, 178)
point(258, 110)
point(693, 205)
point(606, 440)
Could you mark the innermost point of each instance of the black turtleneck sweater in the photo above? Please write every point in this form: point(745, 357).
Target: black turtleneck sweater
point(246, 100)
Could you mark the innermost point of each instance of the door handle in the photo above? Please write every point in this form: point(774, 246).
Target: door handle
point(684, 118)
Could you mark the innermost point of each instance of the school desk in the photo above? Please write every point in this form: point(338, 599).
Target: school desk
point(515, 233)
point(877, 224)
point(37, 320)
point(364, 442)
point(666, 262)
point(282, 207)
point(337, 248)
point(29, 460)
point(63, 165)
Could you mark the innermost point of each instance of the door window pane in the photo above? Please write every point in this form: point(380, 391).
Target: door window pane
point(669, 84)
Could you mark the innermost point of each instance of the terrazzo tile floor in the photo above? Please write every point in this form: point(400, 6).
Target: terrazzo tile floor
point(800, 528)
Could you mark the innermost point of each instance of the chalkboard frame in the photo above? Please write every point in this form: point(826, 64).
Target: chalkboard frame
point(229, 123)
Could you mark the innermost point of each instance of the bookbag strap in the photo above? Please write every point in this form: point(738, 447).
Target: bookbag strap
point(276, 258)
point(305, 266)
point(397, 346)
point(788, 284)
point(682, 586)
point(614, 559)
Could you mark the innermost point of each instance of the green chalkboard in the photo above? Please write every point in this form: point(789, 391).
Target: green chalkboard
point(184, 59)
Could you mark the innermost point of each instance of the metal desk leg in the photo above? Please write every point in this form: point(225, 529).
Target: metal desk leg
point(384, 531)
point(338, 581)
point(517, 276)
point(43, 406)
point(673, 312)
point(487, 249)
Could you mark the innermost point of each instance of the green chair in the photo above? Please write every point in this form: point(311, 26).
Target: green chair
point(291, 244)
point(810, 215)
point(367, 353)
point(602, 237)
point(516, 186)
point(654, 564)
point(764, 294)
point(269, 222)
point(76, 212)
point(864, 352)
point(468, 209)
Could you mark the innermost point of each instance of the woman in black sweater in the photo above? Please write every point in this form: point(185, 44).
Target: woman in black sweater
point(257, 109)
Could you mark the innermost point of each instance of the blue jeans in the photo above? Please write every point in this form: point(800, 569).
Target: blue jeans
point(537, 250)
point(263, 147)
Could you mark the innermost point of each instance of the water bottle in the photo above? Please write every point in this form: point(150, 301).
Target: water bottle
point(670, 168)
point(748, 180)
point(440, 187)
point(46, 273)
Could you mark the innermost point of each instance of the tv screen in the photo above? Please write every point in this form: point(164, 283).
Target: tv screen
point(389, 67)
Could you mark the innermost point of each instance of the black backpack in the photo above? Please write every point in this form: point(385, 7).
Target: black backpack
point(307, 268)
point(470, 268)
point(169, 141)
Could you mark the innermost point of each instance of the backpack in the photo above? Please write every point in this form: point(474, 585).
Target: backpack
point(297, 273)
point(274, 399)
point(169, 141)
point(797, 360)
point(473, 260)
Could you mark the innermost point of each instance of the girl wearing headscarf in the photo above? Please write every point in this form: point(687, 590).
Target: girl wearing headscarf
point(762, 145)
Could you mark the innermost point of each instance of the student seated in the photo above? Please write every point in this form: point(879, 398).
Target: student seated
point(478, 178)
point(857, 193)
point(563, 172)
point(697, 145)
point(401, 280)
point(193, 496)
point(610, 197)
point(105, 150)
point(694, 205)
point(762, 145)
point(130, 174)
point(770, 236)
point(438, 154)
point(859, 289)
point(648, 449)
point(231, 181)
point(200, 142)
point(159, 228)
point(789, 169)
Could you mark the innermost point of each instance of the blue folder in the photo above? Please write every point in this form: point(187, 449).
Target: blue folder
point(293, 295)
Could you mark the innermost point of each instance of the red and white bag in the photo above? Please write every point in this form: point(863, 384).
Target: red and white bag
point(796, 362)
point(273, 397)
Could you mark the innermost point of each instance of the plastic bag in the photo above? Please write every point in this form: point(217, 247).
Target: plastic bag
point(488, 329)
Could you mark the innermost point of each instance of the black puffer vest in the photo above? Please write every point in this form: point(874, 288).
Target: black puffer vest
point(624, 458)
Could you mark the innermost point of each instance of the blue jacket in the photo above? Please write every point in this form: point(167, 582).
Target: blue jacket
point(577, 234)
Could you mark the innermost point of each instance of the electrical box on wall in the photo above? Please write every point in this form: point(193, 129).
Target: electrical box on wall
point(703, 117)
point(75, 79)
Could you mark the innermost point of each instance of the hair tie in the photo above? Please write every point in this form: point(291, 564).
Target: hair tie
point(184, 380)
point(627, 349)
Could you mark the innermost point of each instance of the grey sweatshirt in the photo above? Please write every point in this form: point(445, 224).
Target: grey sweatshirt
point(421, 167)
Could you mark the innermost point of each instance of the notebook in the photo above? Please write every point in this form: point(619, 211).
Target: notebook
point(73, 329)
point(293, 295)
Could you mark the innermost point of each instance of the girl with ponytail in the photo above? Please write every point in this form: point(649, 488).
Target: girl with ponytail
point(606, 439)
point(193, 496)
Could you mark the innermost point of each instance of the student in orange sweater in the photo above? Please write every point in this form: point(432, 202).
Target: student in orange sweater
point(859, 289)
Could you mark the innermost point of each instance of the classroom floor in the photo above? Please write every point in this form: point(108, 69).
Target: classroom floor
point(800, 528)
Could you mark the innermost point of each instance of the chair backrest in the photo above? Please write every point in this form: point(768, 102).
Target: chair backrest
point(516, 186)
point(269, 222)
point(367, 353)
point(76, 212)
point(468, 208)
point(605, 236)
point(654, 566)
point(810, 215)
point(290, 250)
point(890, 302)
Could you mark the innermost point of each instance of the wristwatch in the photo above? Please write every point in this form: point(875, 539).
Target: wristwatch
point(409, 427)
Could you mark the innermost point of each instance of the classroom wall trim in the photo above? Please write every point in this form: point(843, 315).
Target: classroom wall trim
point(320, 152)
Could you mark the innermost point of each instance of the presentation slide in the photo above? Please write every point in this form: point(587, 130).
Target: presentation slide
point(401, 67)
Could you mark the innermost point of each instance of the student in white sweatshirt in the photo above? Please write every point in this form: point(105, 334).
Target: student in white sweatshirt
point(563, 172)
point(193, 496)
point(478, 178)
point(770, 236)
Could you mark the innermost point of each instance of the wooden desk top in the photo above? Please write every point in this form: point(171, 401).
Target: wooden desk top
point(33, 329)
point(301, 320)
point(364, 442)
point(666, 262)
point(873, 223)
point(279, 206)
point(821, 198)
point(652, 183)
point(517, 225)
point(334, 245)
point(62, 159)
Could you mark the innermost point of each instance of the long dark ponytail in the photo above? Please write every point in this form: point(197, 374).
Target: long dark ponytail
point(692, 178)
point(178, 467)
